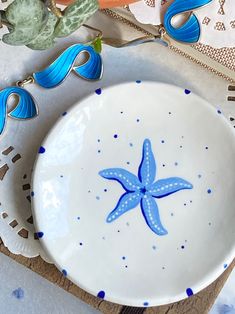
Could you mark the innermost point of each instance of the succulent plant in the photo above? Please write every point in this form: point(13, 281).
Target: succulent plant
point(37, 23)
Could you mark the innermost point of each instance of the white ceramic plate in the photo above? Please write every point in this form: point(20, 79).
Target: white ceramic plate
point(169, 245)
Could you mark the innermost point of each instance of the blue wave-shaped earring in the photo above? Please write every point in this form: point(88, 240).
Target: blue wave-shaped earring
point(25, 109)
point(189, 32)
point(57, 72)
point(52, 76)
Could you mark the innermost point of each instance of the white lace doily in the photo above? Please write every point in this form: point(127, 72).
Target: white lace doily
point(20, 144)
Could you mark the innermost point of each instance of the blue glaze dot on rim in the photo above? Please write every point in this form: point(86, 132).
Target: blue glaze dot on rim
point(187, 91)
point(131, 144)
point(176, 163)
point(64, 272)
point(206, 147)
point(182, 247)
point(39, 234)
point(98, 91)
point(145, 303)
point(32, 193)
point(199, 176)
point(137, 120)
point(162, 141)
point(209, 191)
point(225, 266)
point(78, 218)
point(138, 81)
point(189, 292)
point(105, 190)
point(124, 257)
point(99, 151)
point(172, 214)
point(81, 244)
point(154, 247)
point(219, 111)
point(128, 162)
point(101, 294)
point(98, 198)
point(64, 113)
point(115, 136)
point(98, 140)
point(41, 150)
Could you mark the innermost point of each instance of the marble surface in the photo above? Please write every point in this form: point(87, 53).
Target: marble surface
point(25, 292)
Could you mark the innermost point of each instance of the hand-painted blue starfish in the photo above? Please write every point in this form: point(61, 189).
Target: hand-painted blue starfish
point(143, 189)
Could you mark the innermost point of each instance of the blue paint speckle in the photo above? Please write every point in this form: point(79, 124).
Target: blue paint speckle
point(137, 120)
point(154, 247)
point(185, 204)
point(199, 176)
point(105, 190)
point(145, 303)
point(138, 81)
point(182, 247)
point(101, 294)
point(124, 257)
point(128, 162)
point(89, 191)
point(121, 112)
point(78, 218)
point(187, 91)
point(115, 136)
point(99, 151)
point(64, 272)
point(169, 112)
point(126, 266)
point(225, 266)
point(98, 140)
point(206, 147)
point(98, 91)
point(64, 113)
point(32, 194)
point(41, 150)
point(163, 165)
point(18, 293)
point(98, 198)
point(162, 141)
point(218, 111)
point(40, 234)
point(176, 163)
point(181, 146)
point(209, 191)
point(131, 144)
point(61, 176)
point(80, 243)
point(172, 214)
point(189, 292)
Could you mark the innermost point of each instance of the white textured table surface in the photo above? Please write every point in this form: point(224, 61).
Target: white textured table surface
point(24, 292)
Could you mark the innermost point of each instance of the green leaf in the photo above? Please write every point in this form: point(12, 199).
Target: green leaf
point(45, 39)
point(97, 45)
point(28, 18)
point(75, 15)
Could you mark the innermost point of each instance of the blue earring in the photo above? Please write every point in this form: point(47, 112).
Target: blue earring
point(52, 76)
point(189, 32)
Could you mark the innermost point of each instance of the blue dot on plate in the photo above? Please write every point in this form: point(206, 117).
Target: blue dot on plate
point(41, 150)
point(176, 163)
point(99, 151)
point(189, 292)
point(64, 272)
point(64, 113)
point(124, 257)
point(199, 176)
point(218, 111)
point(209, 191)
point(115, 136)
point(40, 234)
point(137, 120)
point(98, 91)
point(97, 197)
point(98, 140)
point(78, 218)
point(80, 243)
point(101, 294)
point(18, 293)
point(138, 81)
point(32, 194)
point(145, 303)
point(187, 91)
point(162, 141)
point(182, 247)
point(225, 266)
point(154, 247)
point(105, 190)
point(131, 144)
